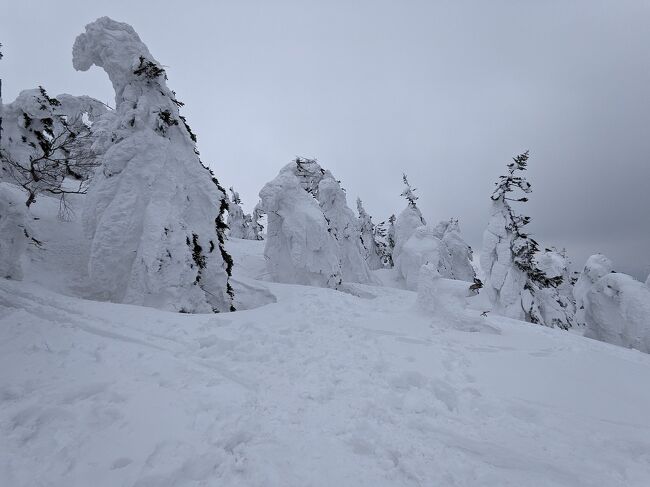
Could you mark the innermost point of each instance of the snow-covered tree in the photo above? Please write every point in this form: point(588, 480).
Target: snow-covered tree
point(458, 252)
point(46, 143)
point(299, 246)
point(257, 226)
point(408, 220)
point(154, 213)
point(14, 234)
point(385, 239)
point(617, 311)
point(368, 235)
point(512, 278)
point(313, 252)
point(556, 303)
point(440, 246)
point(596, 267)
point(236, 220)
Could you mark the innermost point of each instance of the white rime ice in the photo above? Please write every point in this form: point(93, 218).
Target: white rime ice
point(153, 211)
point(440, 246)
point(299, 247)
point(13, 237)
point(596, 267)
point(236, 220)
point(556, 304)
point(617, 311)
point(371, 254)
point(312, 236)
point(408, 220)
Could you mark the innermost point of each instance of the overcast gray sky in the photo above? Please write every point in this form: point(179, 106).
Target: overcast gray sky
point(446, 91)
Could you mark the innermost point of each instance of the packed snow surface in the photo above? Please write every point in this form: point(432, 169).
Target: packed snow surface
point(320, 387)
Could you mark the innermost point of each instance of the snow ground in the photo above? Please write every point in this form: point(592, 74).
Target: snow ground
point(319, 388)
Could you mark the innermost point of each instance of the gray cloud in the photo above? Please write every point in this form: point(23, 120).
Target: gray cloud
point(445, 91)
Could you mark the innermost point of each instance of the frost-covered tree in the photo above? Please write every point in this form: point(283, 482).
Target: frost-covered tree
point(46, 145)
point(513, 280)
point(440, 246)
point(14, 234)
point(236, 220)
point(154, 212)
point(368, 235)
point(408, 220)
point(596, 267)
point(556, 303)
point(312, 253)
point(257, 226)
point(384, 233)
point(617, 311)
point(299, 246)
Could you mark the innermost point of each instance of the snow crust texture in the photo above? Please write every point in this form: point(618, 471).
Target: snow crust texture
point(151, 212)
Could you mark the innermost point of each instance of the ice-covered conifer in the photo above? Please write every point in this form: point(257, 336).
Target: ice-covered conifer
point(368, 234)
point(617, 311)
point(154, 213)
point(512, 278)
point(556, 304)
point(312, 253)
point(458, 252)
point(47, 140)
point(596, 267)
point(257, 226)
point(408, 220)
point(236, 220)
point(440, 246)
point(299, 246)
point(14, 235)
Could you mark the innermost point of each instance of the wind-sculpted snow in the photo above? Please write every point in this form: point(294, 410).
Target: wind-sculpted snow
point(617, 311)
point(596, 267)
point(504, 283)
point(13, 237)
point(236, 222)
point(407, 221)
point(440, 246)
point(152, 209)
point(368, 234)
point(299, 247)
point(312, 236)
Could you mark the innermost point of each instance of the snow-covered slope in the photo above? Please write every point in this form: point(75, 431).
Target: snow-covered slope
point(319, 388)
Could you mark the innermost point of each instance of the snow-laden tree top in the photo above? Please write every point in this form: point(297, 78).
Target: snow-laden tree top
point(115, 47)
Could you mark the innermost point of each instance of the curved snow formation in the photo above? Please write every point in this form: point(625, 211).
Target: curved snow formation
point(153, 209)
